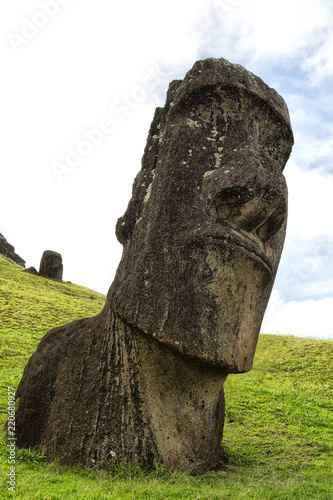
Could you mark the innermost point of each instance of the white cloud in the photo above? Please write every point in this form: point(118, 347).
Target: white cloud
point(276, 29)
point(309, 318)
point(282, 28)
point(310, 202)
point(312, 289)
point(307, 264)
point(313, 152)
point(320, 64)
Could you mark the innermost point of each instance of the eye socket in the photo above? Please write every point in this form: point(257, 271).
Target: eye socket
point(223, 204)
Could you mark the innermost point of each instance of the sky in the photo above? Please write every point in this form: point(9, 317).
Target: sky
point(79, 85)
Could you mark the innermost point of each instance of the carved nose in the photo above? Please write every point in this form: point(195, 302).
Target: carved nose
point(251, 200)
point(252, 209)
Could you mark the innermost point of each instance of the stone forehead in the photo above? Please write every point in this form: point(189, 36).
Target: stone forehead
point(221, 73)
point(51, 253)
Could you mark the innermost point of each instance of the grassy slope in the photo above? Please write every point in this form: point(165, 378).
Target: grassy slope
point(278, 439)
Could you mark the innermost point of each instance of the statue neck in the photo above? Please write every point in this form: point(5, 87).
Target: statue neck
point(172, 407)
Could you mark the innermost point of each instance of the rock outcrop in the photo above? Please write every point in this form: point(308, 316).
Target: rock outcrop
point(8, 251)
point(202, 237)
point(31, 270)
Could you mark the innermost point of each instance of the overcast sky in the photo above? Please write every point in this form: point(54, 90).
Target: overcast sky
point(79, 84)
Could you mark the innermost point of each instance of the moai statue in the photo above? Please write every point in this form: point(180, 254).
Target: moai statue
point(51, 265)
point(202, 237)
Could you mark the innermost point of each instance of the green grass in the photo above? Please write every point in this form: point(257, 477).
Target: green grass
point(278, 437)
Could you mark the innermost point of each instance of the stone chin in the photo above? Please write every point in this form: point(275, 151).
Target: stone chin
point(207, 298)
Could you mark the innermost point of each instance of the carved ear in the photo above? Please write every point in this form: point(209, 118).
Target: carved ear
point(126, 224)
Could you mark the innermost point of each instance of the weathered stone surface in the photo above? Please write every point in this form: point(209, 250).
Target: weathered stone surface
point(202, 236)
point(51, 265)
point(31, 270)
point(8, 251)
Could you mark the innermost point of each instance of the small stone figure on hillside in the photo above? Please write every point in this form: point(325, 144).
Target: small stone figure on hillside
point(202, 237)
point(51, 265)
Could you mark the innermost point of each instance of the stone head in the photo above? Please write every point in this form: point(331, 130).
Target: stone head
point(51, 265)
point(204, 230)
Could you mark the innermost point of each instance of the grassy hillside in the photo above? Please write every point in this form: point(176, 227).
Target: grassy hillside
point(278, 438)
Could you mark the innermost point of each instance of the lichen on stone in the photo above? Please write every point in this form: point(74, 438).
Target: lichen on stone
point(148, 193)
point(218, 158)
point(192, 123)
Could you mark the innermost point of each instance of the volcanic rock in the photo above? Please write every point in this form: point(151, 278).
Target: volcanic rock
point(8, 251)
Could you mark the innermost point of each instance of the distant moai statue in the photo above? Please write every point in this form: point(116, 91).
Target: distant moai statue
point(202, 237)
point(51, 265)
